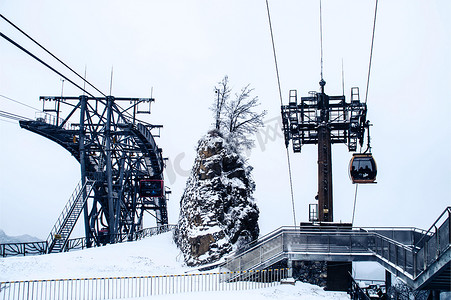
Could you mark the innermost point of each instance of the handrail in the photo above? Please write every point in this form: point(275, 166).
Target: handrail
point(393, 242)
point(62, 215)
point(292, 229)
point(333, 229)
point(402, 228)
point(52, 120)
point(68, 209)
point(81, 243)
point(23, 248)
point(270, 236)
point(357, 290)
point(448, 209)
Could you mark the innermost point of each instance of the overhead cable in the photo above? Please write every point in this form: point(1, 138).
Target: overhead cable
point(44, 63)
point(8, 115)
point(371, 53)
point(274, 53)
point(18, 102)
point(281, 103)
point(51, 54)
point(366, 95)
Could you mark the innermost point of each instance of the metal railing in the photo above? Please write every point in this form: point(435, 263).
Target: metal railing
point(81, 243)
point(147, 232)
point(434, 244)
point(72, 209)
point(414, 260)
point(356, 293)
point(38, 248)
point(290, 241)
point(400, 256)
point(66, 210)
point(32, 248)
point(130, 287)
point(409, 236)
point(53, 120)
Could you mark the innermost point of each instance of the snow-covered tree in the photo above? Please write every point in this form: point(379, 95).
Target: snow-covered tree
point(222, 95)
point(237, 118)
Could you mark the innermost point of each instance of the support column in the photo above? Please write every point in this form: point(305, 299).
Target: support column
point(387, 280)
point(325, 207)
point(290, 268)
point(434, 295)
point(109, 171)
point(82, 151)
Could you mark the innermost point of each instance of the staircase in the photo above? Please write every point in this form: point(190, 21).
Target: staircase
point(63, 227)
point(421, 258)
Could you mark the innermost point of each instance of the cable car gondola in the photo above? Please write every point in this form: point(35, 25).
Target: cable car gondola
point(151, 188)
point(362, 168)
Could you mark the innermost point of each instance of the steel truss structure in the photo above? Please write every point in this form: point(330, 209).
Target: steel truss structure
point(324, 120)
point(116, 151)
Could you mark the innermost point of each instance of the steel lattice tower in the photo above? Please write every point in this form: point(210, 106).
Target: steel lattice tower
point(324, 120)
point(116, 152)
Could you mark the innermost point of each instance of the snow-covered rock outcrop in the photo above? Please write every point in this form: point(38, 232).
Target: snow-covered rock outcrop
point(217, 211)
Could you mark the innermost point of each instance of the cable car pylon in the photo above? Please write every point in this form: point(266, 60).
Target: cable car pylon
point(324, 120)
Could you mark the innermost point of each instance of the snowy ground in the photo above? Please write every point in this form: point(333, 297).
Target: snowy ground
point(301, 291)
point(156, 255)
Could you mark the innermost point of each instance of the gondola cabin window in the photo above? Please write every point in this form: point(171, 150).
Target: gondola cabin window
point(362, 168)
point(151, 188)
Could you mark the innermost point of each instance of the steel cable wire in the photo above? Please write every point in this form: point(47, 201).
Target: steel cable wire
point(50, 53)
point(281, 103)
point(366, 96)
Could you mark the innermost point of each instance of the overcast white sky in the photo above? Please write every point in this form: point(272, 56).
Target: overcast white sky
point(183, 48)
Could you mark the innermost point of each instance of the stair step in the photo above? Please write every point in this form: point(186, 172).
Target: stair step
point(70, 216)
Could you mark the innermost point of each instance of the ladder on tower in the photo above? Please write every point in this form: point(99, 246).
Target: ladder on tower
point(63, 227)
point(294, 121)
point(355, 119)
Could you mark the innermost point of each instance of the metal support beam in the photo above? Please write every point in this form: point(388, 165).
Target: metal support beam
point(290, 267)
point(387, 279)
point(81, 141)
point(109, 170)
point(325, 194)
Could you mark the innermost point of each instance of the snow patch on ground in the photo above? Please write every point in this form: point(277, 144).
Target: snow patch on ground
point(156, 255)
point(300, 291)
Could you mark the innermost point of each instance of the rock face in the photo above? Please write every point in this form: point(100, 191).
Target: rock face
point(313, 272)
point(217, 211)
